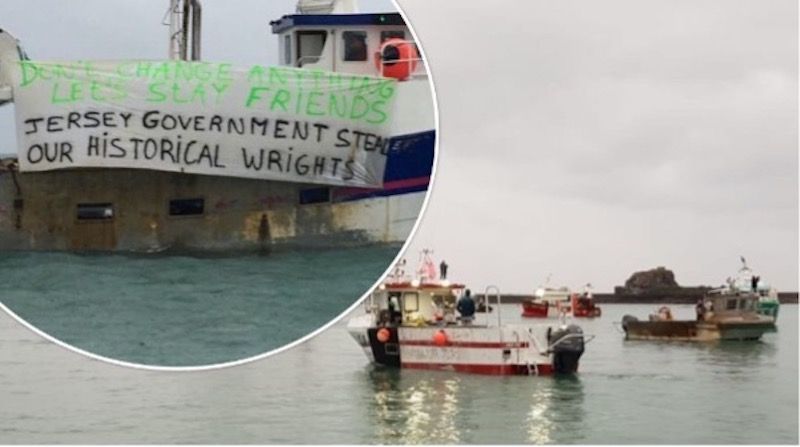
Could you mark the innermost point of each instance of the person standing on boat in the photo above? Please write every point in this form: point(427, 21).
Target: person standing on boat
point(443, 270)
point(709, 310)
point(466, 307)
point(754, 283)
point(395, 315)
point(700, 308)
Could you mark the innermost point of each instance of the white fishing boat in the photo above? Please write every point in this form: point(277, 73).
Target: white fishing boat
point(414, 321)
point(92, 208)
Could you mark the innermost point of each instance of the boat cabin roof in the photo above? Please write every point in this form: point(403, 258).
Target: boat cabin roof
point(290, 21)
point(411, 286)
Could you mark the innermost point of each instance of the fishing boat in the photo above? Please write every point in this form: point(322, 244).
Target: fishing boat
point(722, 315)
point(413, 322)
point(548, 302)
point(92, 208)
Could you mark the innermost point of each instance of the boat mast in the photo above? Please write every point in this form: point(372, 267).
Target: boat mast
point(184, 29)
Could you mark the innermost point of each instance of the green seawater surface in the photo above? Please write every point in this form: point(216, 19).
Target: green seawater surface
point(186, 310)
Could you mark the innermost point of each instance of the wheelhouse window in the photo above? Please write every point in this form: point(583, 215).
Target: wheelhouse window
point(287, 49)
point(186, 207)
point(410, 302)
point(309, 46)
point(730, 304)
point(395, 34)
point(315, 195)
point(95, 211)
point(443, 300)
point(355, 45)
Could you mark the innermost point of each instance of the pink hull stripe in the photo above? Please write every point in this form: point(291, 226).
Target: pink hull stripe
point(497, 370)
point(466, 344)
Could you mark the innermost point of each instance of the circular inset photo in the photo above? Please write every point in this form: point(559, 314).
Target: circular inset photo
point(195, 185)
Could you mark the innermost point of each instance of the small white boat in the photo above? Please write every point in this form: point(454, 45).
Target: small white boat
point(415, 323)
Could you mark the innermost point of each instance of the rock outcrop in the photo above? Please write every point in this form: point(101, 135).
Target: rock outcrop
point(657, 284)
point(657, 278)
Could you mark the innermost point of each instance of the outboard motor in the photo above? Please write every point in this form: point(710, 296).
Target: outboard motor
point(567, 347)
point(10, 54)
point(626, 320)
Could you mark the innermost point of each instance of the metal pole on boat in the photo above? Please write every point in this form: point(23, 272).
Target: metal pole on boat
point(497, 295)
point(186, 19)
point(197, 21)
point(174, 13)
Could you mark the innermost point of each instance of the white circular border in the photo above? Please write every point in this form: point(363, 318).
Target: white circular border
point(319, 330)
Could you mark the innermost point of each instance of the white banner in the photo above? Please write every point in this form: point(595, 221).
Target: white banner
point(276, 123)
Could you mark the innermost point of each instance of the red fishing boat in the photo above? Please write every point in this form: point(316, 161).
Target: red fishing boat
point(583, 306)
point(551, 302)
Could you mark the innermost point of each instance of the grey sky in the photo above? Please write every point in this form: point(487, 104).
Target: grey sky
point(592, 139)
point(579, 138)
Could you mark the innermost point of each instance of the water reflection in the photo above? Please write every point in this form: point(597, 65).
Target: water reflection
point(416, 409)
point(440, 407)
point(556, 407)
point(725, 357)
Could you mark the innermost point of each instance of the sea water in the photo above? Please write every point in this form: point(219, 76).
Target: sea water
point(179, 310)
point(325, 391)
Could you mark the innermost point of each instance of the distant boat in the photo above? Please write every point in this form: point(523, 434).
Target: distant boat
point(723, 315)
point(555, 302)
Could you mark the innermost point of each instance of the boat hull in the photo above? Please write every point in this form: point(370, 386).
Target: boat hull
point(535, 310)
point(544, 369)
point(696, 330)
point(585, 308)
point(38, 212)
point(769, 308)
point(468, 349)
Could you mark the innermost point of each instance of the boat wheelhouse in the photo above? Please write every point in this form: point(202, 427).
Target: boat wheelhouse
point(373, 45)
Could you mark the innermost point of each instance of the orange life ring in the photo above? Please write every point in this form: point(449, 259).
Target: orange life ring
point(397, 59)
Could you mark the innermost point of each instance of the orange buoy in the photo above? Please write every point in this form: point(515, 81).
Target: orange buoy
point(397, 59)
point(440, 338)
point(383, 335)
